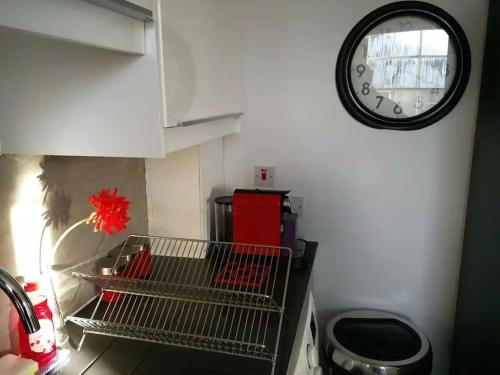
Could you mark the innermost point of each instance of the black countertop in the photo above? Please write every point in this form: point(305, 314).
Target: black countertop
point(103, 355)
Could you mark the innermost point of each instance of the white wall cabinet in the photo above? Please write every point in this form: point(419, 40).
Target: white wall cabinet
point(58, 97)
point(201, 44)
point(75, 21)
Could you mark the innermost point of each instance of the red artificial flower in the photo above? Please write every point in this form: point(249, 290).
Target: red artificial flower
point(110, 211)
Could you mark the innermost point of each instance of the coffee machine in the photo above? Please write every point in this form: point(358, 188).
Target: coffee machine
point(262, 217)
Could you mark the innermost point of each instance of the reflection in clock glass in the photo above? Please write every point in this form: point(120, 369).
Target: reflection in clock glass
point(403, 67)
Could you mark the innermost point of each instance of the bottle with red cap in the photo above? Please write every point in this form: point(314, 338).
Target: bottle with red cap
point(41, 345)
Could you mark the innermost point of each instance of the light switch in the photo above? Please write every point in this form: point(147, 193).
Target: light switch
point(264, 176)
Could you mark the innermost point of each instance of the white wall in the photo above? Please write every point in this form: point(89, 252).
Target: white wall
point(180, 190)
point(173, 194)
point(212, 180)
point(386, 207)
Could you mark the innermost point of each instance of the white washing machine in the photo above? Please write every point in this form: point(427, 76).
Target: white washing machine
point(304, 359)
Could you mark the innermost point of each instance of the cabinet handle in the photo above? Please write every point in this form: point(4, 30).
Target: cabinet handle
point(209, 119)
point(125, 8)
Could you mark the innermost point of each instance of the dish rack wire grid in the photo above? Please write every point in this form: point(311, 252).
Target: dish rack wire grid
point(192, 300)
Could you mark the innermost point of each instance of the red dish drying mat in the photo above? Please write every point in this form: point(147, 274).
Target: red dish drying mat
point(245, 274)
point(257, 220)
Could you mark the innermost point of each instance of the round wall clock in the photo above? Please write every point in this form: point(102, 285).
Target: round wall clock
point(403, 67)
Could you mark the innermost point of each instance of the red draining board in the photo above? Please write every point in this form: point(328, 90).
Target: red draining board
point(245, 274)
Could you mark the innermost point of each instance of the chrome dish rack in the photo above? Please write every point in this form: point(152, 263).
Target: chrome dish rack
point(207, 295)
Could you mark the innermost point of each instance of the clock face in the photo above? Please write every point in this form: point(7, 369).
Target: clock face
point(403, 67)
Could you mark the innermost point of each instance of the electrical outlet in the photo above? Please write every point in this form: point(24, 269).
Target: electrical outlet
point(297, 204)
point(263, 176)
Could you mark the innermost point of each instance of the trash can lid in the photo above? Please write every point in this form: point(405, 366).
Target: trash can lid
point(377, 337)
point(380, 339)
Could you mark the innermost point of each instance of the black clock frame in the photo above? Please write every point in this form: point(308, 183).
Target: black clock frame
point(403, 8)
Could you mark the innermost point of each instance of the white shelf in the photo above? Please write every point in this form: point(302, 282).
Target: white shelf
point(179, 137)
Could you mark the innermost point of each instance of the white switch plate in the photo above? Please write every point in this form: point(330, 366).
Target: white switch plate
point(263, 176)
point(297, 204)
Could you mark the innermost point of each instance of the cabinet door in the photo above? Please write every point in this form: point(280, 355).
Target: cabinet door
point(58, 98)
point(202, 58)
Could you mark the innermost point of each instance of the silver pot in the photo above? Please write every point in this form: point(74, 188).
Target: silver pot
point(106, 266)
point(128, 252)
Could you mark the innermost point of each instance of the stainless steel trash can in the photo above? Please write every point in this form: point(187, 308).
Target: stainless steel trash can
point(371, 342)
